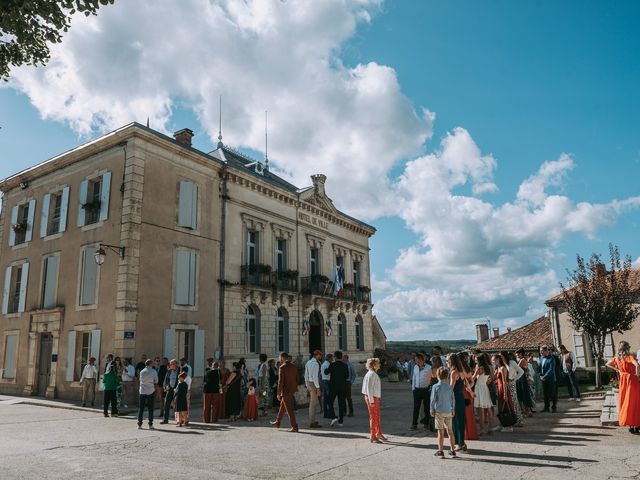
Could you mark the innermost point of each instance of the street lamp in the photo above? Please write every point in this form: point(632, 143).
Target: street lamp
point(101, 253)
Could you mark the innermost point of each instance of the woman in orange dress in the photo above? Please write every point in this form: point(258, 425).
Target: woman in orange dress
point(470, 427)
point(626, 364)
point(251, 402)
point(502, 378)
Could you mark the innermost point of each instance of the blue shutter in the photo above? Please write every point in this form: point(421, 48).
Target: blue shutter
point(23, 287)
point(169, 343)
point(14, 220)
point(185, 205)
point(194, 206)
point(50, 280)
point(82, 199)
point(7, 289)
point(71, 355)
point(89, 277)
point(44, 215)
point(198, 353)
point(182, 280)
point(30, 217)
point(105, 188)
point(94, 348)
point(193, 270)
point(64, 208)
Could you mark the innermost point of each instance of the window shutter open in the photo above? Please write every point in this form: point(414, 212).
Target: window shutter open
point(89, 277)
point(44, 215)
point(7, 289)
point(169, 343)
point(10, 357)
point(64, 209)
point(198, 353)
point(94, 349)
point(105, 189)
point(30, 217)
point(187, 205)
point(23, 286)
point(50, 280)
point(193, 258)
point(183, 260)
point(71, 355)
point(82, 199)
point(194, 206)
point(14, 220)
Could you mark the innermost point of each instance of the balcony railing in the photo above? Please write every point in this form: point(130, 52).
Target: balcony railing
point(363, 296)
point(256, 275)
point(286, 281)
point(317, 285)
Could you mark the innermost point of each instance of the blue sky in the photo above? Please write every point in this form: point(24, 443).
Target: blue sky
point(511, 84)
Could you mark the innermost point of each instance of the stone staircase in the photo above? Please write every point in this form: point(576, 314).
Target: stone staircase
point(609, 414)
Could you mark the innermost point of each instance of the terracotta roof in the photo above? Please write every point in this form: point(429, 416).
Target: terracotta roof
point(634, 280)
point(529, 337)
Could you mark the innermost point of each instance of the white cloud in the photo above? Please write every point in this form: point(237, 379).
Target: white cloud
point(138, 59)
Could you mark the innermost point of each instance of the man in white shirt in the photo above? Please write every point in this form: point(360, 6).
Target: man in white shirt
point(312, 381)
point(148, 382)
point(88, 381)
point(569, 368)
point(326, 406)
point(420, 386)
point(184, 364)
point(128, 375)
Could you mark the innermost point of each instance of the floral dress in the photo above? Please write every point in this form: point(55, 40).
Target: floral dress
point(263, 389)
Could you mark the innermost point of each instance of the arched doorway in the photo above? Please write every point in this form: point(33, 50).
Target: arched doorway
point(316, 336)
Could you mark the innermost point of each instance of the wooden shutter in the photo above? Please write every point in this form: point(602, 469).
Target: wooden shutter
point(14, 220)
point(578, 342)
point(71, 355)
point(169, 343)
point(7, 289)
point(82, 199)
point(193, 269)
point(23, 287)
point(194, 206)
point(44, 215)
point(198, 353)
point(94, 348)
point(182, 280)
point(608, 347)
point(50, 282)
point(30, 217)
point(89, 277)
point(10, 350)
point(64, 208)
point(105, 189)
point(188, 205)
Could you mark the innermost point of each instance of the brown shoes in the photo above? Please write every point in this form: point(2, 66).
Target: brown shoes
point(315, 425)
point(293, 430)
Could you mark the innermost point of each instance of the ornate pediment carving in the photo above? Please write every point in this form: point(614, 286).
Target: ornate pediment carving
point(316, 195)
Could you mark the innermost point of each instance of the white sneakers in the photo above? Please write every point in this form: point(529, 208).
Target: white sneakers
point(333, 422)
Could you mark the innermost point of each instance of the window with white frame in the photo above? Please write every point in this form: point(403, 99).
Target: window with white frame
point(188, 204)
point(94, 200)
point(81, 345)
point(282, 330)
point(10, 357)
point(88, 276)
point(186, 274)
point(314, 261)
point(15, 288)
point(281, 254)
point(49, 281)
point(53, 218)
point(252, 329)
point(342, 332)
point(22, 223)
point(253, 247)
point(578, 342)
point(184, 345)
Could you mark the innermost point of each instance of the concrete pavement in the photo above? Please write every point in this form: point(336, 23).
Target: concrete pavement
point(54, 443)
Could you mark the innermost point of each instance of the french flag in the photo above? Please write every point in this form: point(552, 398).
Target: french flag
point(339, 280)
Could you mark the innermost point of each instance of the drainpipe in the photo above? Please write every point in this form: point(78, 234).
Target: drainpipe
point(221, 277)
point(300, 320)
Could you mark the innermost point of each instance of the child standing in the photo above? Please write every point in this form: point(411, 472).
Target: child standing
point(443, 409)
point(251, 404)
point(182, 406)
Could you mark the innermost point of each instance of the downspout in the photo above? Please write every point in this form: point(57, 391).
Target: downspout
point(300, 320)
point(221, 276)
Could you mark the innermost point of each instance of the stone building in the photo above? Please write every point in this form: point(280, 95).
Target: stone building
point(137, 243)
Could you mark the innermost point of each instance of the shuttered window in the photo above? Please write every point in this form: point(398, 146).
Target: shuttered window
point(188, 205)
point(49, 281)
point(94, 200)
point(578, 341)
point(21, 228)
point(10, 355)
point(185, 277)
point(15, 288)
point(88, 276)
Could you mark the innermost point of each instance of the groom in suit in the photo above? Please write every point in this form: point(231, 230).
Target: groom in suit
point(287, 387)
point(548, 377)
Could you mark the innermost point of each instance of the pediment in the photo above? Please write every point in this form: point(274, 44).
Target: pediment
point(316, 195)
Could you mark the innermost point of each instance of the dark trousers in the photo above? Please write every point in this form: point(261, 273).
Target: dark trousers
point(327, 407)
point(145, 401)
point(168, 400)
point(550, 390)
point(572, 385)
point(212, 407)
point(342, 404)
point(286, 406)
point(347, 396)
point(110, 398)
point(420, 397)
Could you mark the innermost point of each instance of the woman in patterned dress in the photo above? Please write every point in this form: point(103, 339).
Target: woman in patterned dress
point(263, 390)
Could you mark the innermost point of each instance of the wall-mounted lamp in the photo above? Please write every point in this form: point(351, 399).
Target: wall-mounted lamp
point(101, 253)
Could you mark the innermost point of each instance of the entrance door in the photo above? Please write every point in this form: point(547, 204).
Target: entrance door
point(315, 331)
point(44, 363)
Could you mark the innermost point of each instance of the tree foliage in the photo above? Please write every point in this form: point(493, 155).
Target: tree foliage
point(601, 301)
point(28, 27)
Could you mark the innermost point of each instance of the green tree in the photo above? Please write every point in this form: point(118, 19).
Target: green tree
point(601, 301)
point(28, 27)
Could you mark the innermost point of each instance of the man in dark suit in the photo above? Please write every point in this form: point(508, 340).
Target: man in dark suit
point(211, 392)
point(287, 388)
point(548, 377)
point(339, 372)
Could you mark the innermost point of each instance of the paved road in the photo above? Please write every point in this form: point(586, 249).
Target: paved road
point(52, 443)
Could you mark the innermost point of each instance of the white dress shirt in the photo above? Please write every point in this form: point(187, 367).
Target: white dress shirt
point(371, 386)
point(89, 371)
point(148, 380)
point(515, 372)
point(572, 357)
point(312, 372)
point(421, 377)
point(325, 376)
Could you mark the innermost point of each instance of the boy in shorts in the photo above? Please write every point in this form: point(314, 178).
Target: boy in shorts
point(443, 409)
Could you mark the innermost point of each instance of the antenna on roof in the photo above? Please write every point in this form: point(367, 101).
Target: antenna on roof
point(220, 125)
point(266, 142)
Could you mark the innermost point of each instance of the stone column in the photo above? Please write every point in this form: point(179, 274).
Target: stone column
point(31, 372)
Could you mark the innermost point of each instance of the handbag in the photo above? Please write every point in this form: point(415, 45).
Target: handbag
point(507, 417)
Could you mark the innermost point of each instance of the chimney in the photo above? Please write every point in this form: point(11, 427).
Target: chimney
point(508, 329)
point(496, 332)
point(482, 332)
point(184, 136)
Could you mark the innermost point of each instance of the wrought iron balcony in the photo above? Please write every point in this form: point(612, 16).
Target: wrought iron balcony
point(363, 294)
point(286, 281)
point(256, 275)
point(317, 285)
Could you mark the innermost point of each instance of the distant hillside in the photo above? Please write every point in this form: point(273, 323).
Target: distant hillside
point(417, 345)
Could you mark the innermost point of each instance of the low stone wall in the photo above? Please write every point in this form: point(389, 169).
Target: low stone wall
point(609, 414)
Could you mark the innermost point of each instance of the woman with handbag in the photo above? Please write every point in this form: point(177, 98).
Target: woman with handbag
point(505, 405)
